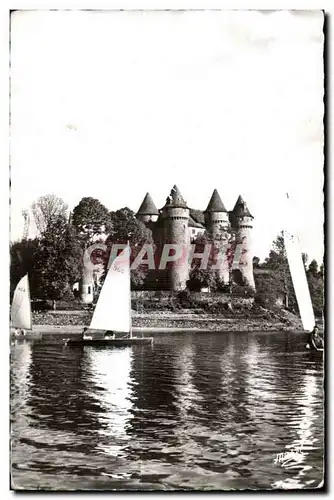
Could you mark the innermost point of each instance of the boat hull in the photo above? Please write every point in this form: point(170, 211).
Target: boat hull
point(26, 336)
point(110, 342)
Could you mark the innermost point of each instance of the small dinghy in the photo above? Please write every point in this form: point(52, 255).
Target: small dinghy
point(299, 280)
point(21, 317)
point(112, 314)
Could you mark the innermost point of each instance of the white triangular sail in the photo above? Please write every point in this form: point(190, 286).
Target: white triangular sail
point(21, 306)
point(113, 308)
point(297, 271)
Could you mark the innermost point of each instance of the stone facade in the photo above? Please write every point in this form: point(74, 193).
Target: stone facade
point(176, 223)
point(242, 221)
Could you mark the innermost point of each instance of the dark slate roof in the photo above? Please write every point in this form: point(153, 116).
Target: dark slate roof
point(215, 203)
point(175, 199)
point(148, 207)
point(193, 223)
point(197, 215)
point(240, 209)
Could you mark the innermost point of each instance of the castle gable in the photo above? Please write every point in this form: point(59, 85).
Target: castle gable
point(193, 223)
point(197, 216)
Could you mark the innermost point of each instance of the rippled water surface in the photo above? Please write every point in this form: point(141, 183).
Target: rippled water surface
point(195, 411)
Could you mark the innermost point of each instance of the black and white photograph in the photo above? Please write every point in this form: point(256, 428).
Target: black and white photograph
point(167, 270)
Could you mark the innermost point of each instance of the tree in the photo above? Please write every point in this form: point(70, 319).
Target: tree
point(22, 261)
point(256, 262)
point(126, 228)
point(313, 268)
point(267, 290)
point(321, 271)
point(209, 276)
point(277, 263)
point(91, 219)
point(316, 286)
point(57, 262)
point(46, 211)
point(305, 259)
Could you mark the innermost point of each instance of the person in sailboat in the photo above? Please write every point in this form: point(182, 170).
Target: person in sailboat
point(315, 340)
point(19, 332)
point(109, 335)
point(84, 336)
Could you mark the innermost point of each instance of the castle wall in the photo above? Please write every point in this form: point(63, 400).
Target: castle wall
point(86, 287)
point(177, 232)
point(194, 232)
point(216, 223)
point(244, 236)
point(147, 218)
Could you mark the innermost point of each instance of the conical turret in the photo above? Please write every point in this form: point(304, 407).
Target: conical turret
point(216, 215)
point(217, 223)
point(215, 203)
point(175, 199)
point(175, 218)
point(147, 210)
point(240, 208)
point(242, 222)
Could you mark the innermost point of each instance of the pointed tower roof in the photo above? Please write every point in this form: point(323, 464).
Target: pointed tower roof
point(215, 203)
point(148, 207)
point(240, 208)
point(175, 199)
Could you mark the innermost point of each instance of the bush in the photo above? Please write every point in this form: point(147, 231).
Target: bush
point(244, 291)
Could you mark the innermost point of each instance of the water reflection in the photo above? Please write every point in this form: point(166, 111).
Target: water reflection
point(110, 373)
point(301, 451)
point(20, 358)
point(196, 411)
point(61, 395)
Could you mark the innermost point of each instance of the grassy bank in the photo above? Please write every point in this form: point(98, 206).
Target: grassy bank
point(241, 320)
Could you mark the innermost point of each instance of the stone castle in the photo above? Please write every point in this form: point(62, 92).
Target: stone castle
point(176, 223)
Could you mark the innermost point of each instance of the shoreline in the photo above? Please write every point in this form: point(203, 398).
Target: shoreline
point(60, 323)
point(57, 330)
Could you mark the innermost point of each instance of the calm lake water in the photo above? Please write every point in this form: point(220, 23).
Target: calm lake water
point(193, 412)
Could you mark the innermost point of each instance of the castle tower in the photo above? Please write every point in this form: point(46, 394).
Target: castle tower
point(217, 222)
point(86, 287)
point(242, 222)
point(175, 218)
point(216, 215)
point(147, 212)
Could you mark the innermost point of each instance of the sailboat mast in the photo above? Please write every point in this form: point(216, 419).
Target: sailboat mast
point(29, 298)
point(130, 333)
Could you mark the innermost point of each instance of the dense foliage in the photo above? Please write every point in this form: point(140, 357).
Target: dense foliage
point(273, 280)
point(126, 228)
point(208, 276)
point(54, 259)
point(57, 262)
point(91, 219)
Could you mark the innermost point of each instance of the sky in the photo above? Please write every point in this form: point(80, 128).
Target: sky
point(115, 104)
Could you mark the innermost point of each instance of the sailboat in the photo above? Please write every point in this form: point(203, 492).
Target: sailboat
point(112, 313)
point(21, 317)
point(298, 274)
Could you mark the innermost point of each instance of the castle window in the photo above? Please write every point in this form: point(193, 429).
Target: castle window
point(89, 290)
